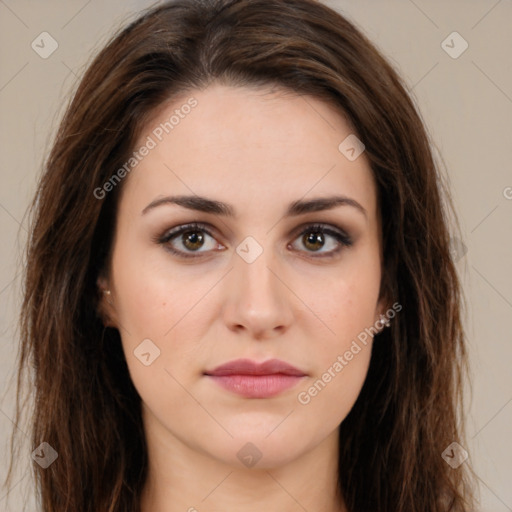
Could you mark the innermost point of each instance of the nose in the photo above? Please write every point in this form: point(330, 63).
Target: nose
point(258, 300)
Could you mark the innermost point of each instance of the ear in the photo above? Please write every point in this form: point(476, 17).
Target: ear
point(382, 318)
point(106, 308)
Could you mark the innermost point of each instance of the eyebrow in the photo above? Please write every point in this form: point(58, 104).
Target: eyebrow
point(295, 208)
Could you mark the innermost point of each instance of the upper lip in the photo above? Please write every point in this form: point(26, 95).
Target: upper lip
point(249, 367)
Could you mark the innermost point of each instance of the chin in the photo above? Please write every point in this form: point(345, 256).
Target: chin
point(256, 448)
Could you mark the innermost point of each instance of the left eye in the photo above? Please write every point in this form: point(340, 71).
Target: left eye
point(316, 237)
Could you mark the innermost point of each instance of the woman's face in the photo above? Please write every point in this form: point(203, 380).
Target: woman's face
point(256, 280)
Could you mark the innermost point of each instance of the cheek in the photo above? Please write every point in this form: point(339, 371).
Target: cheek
point(347, 306)
point(171, 309)
point(159, 328)
point(342, 357)
point(153, 297)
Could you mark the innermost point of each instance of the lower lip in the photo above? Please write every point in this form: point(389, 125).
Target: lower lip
point(256, 386)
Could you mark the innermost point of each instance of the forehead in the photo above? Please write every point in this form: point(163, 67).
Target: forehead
point(236, 143)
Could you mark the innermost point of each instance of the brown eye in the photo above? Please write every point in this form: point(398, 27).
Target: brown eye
point(189, 239)
point(313, 240)
point(192, 240)
point(316, 237)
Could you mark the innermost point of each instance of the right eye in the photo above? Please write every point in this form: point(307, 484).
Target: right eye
point(191, 237)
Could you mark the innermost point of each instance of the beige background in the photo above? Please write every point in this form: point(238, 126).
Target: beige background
point(466, 103)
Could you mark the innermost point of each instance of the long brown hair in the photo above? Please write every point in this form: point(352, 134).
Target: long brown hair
point(86, 406)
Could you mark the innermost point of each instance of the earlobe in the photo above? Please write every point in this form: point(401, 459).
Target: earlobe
point(107, 295)
point(383, 320)
point(106, 308)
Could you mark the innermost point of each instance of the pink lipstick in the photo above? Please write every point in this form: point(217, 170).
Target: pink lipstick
point(256, 380)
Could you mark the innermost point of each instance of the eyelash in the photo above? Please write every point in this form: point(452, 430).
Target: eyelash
point(343, 239)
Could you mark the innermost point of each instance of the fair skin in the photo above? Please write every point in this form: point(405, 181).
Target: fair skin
point(258, 151)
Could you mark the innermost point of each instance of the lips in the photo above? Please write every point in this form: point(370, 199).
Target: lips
point(249, 367)
point(256, 380)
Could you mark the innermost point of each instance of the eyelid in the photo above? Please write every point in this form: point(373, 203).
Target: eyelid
point(188, 226)
point(320, 226)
